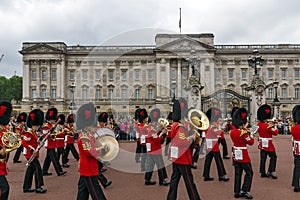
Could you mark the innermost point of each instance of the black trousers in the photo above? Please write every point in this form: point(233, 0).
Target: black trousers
point(51, 157)
point(4, 188)
point(155, 159)
point(219, 163)
point(195, 153)
point(263, 158)
point(238, 171)
point(296, 173)
point(73, 151)
point(143, 157)
point(101, 177)
point(224, 144)
point(33, 169)
point(168, 140)
point(202, 146)
point(61, 152)
point(89, 185)
point(185, 171)
point(138, 152)
point(18, 153)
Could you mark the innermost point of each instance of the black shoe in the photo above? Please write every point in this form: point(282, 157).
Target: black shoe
point(17, 161)
point(245, 194)
point(28, 190)
point(61, 173)
point(40, 190)
point(264, 175)
point(226, 157)
point(164, 182)
point(208, 179)
point(150, 182)
point(103, 170)
point(273, 176)
point(108, 183)
point(236, 195)
point(194, 166)
point(223, 178)
point(47, 174)
point(296, 189)
point(66, 165)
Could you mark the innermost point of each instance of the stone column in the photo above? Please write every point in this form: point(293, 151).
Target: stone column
point(179, 86)
point(26, 78)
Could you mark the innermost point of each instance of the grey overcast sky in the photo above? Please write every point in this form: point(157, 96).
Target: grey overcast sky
point(100, 22)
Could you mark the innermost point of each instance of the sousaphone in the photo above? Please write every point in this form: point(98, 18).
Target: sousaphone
point(198, 119)
point(105, 137)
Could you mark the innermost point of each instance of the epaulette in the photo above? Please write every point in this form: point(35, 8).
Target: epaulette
point(46, 125)
point(243, 132)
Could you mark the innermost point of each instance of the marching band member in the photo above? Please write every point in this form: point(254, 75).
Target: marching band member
point(241, 160)
point(169, 127)
point(143, 133)
point(20, 128)
point(212, 135)
point(156, 136)
point(88, 164)
point(60, 140)
point(51, 156)
point(5, 112)
point(266, 146)
point(137, 137)
point(30, 141)
point(102, 123)
point(181, 153)
point(295, 131)
point(70, 132)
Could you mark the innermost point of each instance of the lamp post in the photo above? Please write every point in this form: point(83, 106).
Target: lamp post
point(255, 61)
point(72, 90)
point(276, 100)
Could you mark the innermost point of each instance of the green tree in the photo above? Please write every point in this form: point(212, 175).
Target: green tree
point(11, 88)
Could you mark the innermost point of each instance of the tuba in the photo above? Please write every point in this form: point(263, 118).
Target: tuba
point(11, 141)
point(105, 137)
point(199, 120)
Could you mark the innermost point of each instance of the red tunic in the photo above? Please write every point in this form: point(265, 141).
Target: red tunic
point(179, 136)
point(30, 142)
point(88, 163)
point(70, 134)
point(154, 139)
point(212, 135)
point(60, 137)
point(266, 134)
point(50, 142)
point(143, 133)
point(240, 140)
point(3, 162)
point(295, 131)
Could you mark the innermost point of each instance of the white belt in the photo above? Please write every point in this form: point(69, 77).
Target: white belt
point(212, 139)
point(59, 138)
point(265, 138)
point(296, 142)
point(240, 147)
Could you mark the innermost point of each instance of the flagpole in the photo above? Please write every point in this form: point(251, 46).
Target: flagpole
point(180, 20)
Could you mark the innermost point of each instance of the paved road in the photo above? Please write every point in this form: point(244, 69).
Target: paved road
point(128, 182)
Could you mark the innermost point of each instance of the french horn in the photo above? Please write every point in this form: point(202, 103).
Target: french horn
point(163, 121)
point(11, 141)
point(105, 137)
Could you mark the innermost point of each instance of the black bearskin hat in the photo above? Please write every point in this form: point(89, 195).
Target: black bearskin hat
point(170, 116)
point(233, 110)
point(180, 109)
point(213, 114)
point(296, 114)
point(86, 116)
point(5, 112)
point(155, 115)
point(103, 117)
point(142, 114)
point(239, 117)
point(184, 107)
point(70, 118)
point(35, 118)
point(51, 114)
point(62, 119)
point(136, 114)
point(22, 117)
point(264, 112)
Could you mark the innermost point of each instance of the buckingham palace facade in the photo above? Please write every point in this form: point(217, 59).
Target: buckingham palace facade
point(121, 78)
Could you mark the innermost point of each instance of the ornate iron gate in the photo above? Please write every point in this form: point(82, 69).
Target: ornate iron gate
point(225, 99)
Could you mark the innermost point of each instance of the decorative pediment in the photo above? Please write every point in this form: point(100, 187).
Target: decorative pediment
point(40, 48)
point(185, 44)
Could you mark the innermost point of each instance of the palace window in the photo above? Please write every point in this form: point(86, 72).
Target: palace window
point(270, 92)
point(283, 92)
point(124, 75)
point(173, 73)
point(230, 74)
point(53, 93)
point(217, 74)
point(124, 93)
point(297, 93)
point(53, 74)
point(85, 74)
point(296, 72)
point(150, 93)
point(98, 74)
point(184, 73)
point(111, 75)
point(150, 74)
point(44, 75)
point(98, 94)
point(43, 93)
point(283, 73)
point(33, 93)
point(270, 73)
point(84, 93)
point(244, 74)
point(137, 93)
point(110, 93)
point(72, 75)
point(137, 74)
point(33, 74)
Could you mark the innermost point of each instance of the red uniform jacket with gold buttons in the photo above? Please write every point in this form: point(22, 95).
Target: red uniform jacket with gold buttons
point(60, 136)
point(3, 164)
point(266, 132)
point(143, 132)
point(240, 140)
point(88, 163)
point(70, 134)
point(50, 142)
point(212, 134)
point(179, 136)
point(154, 139)
point(295, 131)
point(30, 143)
